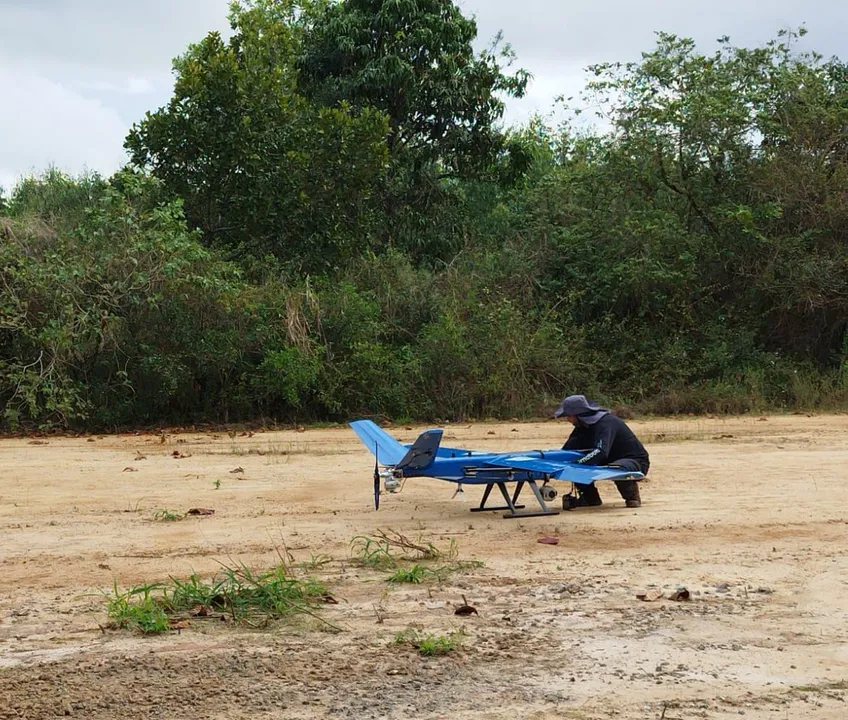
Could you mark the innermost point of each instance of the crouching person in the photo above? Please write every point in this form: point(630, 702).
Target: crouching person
point(606, 440)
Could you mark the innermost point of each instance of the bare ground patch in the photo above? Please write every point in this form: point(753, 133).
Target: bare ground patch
point(753, 525)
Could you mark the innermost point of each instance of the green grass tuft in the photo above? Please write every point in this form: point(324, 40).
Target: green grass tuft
point(431, 644)
point(237, 592)
point(138, 609)
point(414, 574)
point(418, 573)
point(408, 561)
point(168, 516)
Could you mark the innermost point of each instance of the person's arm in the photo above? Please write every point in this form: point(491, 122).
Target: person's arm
point(604, 436)
point(579, 439)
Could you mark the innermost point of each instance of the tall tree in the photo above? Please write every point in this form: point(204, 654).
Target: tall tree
point(415, 61)
point(709, 226)
point(262, 169)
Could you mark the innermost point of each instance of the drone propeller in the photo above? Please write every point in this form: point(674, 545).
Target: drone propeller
point(376, 479)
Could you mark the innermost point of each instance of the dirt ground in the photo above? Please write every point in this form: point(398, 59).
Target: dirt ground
point(749, 514)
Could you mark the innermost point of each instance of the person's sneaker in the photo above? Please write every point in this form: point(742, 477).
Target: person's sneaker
point(633, 503)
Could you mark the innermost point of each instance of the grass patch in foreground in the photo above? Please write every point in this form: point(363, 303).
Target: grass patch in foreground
point(431, 644)
point(139, 610)
point(418, 573)
point(237, 594)
point(390, 549)
point(408, 561)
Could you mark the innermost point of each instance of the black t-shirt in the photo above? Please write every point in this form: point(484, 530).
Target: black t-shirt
point(607, 440)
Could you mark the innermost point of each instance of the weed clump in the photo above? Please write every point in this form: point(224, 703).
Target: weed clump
point(408, 559)
point(431, 644)
point(138, 609)
point(168, 516)
point(237, 594)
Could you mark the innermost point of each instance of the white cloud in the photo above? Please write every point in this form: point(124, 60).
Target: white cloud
point(46, 124)
point(139, 86)
point(134, 36)
point(75, 74)
point(133, 85)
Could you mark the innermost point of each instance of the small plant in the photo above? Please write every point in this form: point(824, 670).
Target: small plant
point(245, 594)
point(168, 516)
point(315, 562)
point(138, 609)
point(134, 508)
point(406, 559)
point(387, 549)
point(431, 644)
point(373, 553)
point(238, 592)
point(218, 483)
point(414, 574)
point(418, 573)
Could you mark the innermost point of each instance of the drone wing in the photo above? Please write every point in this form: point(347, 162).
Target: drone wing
point(570, 472)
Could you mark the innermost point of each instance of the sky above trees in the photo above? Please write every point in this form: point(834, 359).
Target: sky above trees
point(78, 73)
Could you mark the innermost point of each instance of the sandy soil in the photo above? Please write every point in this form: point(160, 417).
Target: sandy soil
point(749, 514)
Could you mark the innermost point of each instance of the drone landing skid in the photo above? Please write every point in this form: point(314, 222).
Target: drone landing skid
point(511, 502)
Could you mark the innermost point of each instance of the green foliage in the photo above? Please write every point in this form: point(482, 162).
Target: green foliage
point(168, 516)
point(373, 552)
point(414, 61)
point(259, 167)
point(410, 560)
point(430, 644)
point(97, 312)
point(316, 562)
point(245, 594)
point(138, 609)
point(301, 239)
point(390, 549)
point(676, 234)
point(414, 574)
point(419, 573)
point(238, 592)
point(55, 199)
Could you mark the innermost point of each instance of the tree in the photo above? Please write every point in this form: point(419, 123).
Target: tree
point(414, 60)
point(108, 313)
point(749, 148)
point(260, 168)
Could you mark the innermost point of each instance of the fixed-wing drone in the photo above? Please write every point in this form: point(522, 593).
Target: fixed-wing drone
point(426, 458)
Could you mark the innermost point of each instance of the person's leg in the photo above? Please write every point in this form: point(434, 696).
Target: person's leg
point(587, 496)
point(628, 489)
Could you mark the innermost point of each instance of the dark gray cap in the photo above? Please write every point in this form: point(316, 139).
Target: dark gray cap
point(587, 412)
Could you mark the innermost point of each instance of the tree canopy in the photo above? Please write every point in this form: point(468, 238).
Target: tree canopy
point(261, 170)
point(327, 220)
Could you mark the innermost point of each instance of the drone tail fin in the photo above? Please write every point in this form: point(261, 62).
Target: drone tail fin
point(423, 451)
point(388, 450)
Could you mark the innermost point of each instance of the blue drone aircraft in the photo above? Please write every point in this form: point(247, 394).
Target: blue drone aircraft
point(426, 458)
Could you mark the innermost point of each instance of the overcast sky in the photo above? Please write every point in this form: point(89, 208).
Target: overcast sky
point(76, 74)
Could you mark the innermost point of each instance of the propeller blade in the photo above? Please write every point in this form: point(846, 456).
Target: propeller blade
point(376, 479)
